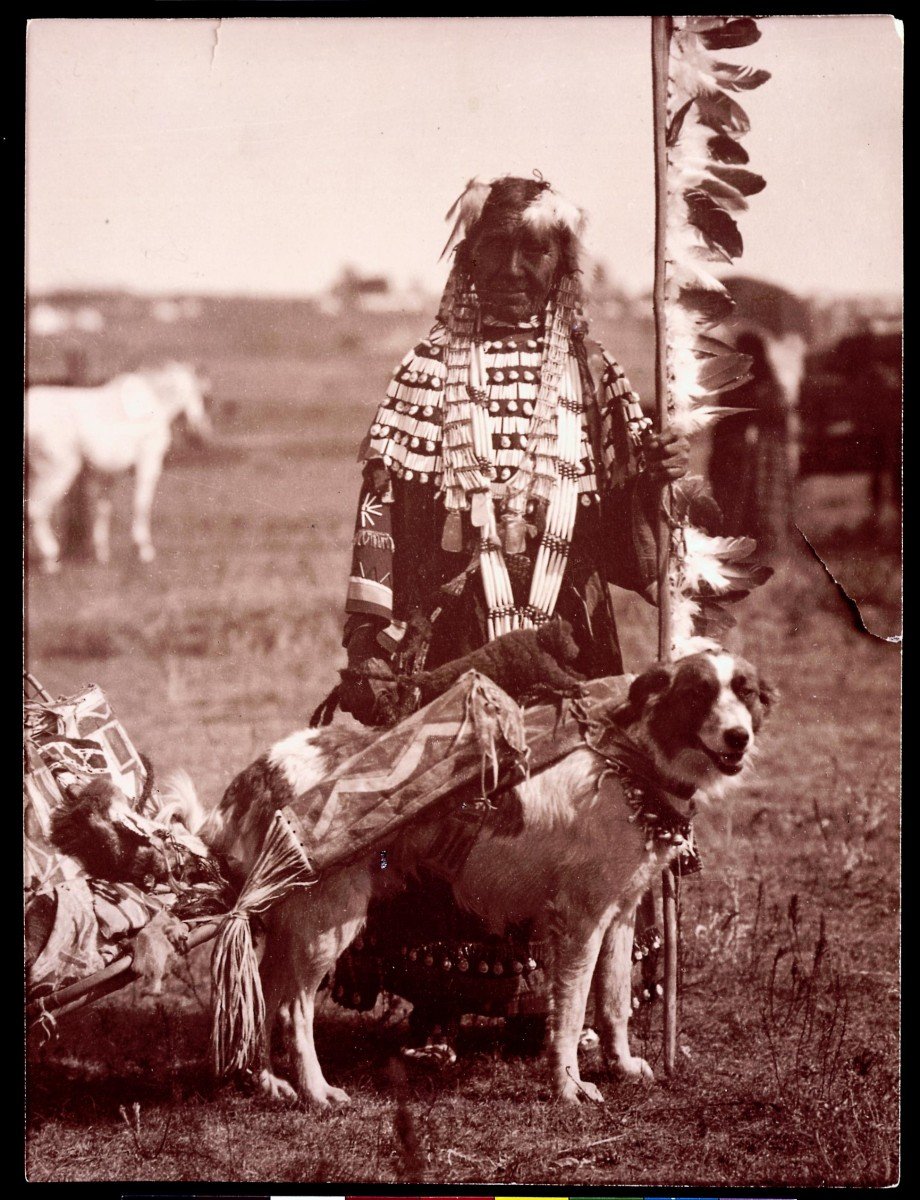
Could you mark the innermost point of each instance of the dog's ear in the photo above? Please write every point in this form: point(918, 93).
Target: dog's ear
point(769, 695)
point(649, 683)
point(656, 679)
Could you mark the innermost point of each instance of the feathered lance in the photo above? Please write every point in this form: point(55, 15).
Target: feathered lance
point(700, 181)
point(661, 42)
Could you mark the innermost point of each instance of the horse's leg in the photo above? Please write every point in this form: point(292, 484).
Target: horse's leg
point(146, 476)
point(101, 503)
point(48, 485)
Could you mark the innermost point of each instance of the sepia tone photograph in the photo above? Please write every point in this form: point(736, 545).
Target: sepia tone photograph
point(463, 601)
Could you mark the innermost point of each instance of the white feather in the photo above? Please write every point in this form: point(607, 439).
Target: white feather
point(683, 610)
point(706, 559)
point(684, 243)
point(692, 140)
point(691, 73)
point(469, 204)
point(549, 211)
point(685, 276)
point(684, 325)
point(683, 376)
point(694, 645)
point(177, 800)
point(690, 420)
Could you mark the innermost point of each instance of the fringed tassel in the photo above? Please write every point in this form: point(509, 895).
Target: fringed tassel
point(498, 725)
point(238, 1015)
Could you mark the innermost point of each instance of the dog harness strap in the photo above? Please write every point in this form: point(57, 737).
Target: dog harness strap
point(617, 747)
point(646, 791)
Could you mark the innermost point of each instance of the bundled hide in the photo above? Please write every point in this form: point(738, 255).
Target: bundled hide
point(155, 949)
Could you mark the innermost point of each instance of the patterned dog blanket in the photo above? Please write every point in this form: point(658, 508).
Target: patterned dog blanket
point(465, 744)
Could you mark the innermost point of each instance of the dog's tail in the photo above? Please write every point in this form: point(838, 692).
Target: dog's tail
point(177, 800)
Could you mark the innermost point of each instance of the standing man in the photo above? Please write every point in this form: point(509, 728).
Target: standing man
point(501, 485)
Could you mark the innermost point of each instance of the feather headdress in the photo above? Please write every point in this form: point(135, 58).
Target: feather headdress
point(548, 210)
point(551, 211)
point(466, 211)
point(708, 184)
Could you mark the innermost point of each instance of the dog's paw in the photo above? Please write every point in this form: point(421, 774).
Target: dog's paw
point(275, 1088)
point(574, 1091)
point(326, 1095)
point(633, 1068)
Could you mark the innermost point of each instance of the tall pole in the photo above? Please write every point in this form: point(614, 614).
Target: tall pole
point(661, 40)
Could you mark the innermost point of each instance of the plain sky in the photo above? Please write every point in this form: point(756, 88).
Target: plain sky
point(258, 155)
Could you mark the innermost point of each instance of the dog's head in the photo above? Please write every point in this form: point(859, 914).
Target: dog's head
point(699, 716)
point(557, 639)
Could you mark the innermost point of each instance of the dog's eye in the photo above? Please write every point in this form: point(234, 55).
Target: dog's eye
point(745, 691)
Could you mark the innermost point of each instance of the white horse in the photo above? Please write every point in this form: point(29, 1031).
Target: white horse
point(123, 424)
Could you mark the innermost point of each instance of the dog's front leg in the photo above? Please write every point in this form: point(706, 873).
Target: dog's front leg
point(575, 951)
point(273, 984)
point(613, 998)
point(311, 1083)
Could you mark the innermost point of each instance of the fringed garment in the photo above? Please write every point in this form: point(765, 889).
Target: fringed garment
point(492, 515)
point(501, 488)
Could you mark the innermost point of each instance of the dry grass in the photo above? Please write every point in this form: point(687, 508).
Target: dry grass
point(790, 1002)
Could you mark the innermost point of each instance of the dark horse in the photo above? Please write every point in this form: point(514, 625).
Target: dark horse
point(850, 410)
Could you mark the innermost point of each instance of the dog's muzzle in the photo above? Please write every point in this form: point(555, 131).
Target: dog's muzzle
point(730, 762)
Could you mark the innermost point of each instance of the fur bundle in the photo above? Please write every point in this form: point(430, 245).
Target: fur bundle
point(96, 825)
point(551, 211)
point(521, 662)
point(86, 826)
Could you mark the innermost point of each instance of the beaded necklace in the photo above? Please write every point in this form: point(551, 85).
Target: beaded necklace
point(548, 469)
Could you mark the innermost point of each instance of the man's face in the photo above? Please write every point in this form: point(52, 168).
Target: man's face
point(513, 268)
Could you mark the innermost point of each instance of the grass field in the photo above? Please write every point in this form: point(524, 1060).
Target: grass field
point(790, 1021)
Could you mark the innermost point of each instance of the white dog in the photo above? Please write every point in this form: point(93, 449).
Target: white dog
point(587, 852)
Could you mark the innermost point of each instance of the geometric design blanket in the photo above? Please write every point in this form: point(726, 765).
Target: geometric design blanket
point(465, 742)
